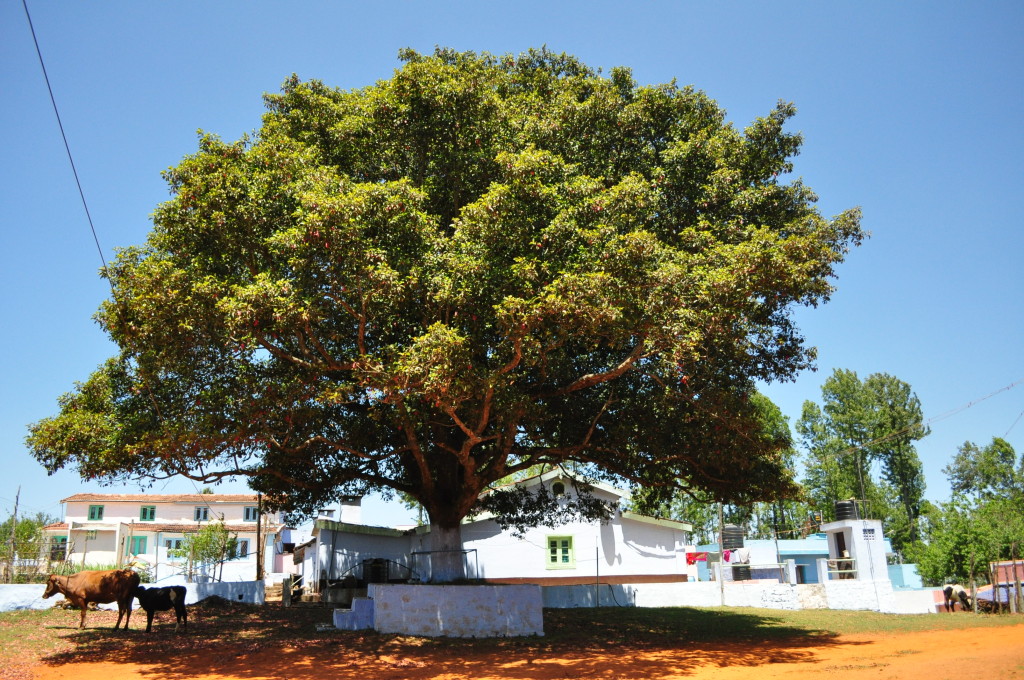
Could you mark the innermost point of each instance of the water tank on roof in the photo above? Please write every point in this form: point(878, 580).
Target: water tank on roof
point(846, 510)
point(732, 537)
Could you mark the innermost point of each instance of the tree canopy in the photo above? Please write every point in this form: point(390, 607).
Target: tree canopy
point(861, 423)
point(983, 521)
point(478, 265)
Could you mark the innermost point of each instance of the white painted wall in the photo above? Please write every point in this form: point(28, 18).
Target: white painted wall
point(13, 597)
point(850, 594)
point(457, 611)
point(115, 511)
point(866, 544)
point(620, 547)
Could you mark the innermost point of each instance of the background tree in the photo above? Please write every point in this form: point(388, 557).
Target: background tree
point(862, 426)
point(959, 547)
point(429, 284)
point(207, 549)
point(985, 519)
point(986, 473)
point(26, 542)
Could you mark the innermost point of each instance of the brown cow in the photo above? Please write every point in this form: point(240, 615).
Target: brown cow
point(116, 585)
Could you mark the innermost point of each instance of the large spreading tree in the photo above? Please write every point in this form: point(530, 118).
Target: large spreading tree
point(479, 265)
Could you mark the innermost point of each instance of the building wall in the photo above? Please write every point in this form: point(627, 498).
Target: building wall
point(167, 512)
point(342, 553)
point(112, 543)
point(620, 547)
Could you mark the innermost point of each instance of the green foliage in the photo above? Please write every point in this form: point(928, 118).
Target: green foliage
point(861, 423)
point(984, 521)
point(28, 536)
point(988, 472)
point(480, 265)
point(519, 507)
point(762, 520)
point(211, 545)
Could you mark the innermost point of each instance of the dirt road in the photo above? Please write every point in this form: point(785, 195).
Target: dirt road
point(990, 653)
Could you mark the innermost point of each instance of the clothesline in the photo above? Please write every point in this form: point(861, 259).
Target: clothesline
point(734, 556)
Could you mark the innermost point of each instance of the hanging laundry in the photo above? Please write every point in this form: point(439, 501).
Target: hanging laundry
point(741, 556)
point(694, 557)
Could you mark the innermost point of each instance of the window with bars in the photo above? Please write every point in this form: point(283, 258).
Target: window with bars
point(95, 512)
point(147, 513)
point(202, 513)
point(251, 513)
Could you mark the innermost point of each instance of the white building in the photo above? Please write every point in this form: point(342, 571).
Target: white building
point(629, 548)
point(112, 529)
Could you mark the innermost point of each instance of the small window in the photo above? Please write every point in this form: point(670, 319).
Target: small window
point(869, 534)
point(173, 543)
point(560, 553)
point(147, 513)
point(137, 546)
point(251, 513)
point(91, 534)
point(558, 488)
point(95, 512)
point(202, 513)
point(242, 548)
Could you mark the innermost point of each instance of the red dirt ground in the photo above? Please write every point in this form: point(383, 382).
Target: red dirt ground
point(990, 653)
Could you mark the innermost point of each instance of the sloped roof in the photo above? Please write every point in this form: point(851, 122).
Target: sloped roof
point(681, 525)
point(169, 527)
point(559, 474)
point(203, 498)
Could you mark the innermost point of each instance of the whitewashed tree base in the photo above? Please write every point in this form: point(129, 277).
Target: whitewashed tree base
point(447, 611)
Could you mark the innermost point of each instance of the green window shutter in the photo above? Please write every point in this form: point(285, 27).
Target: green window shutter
point(137, 546)
point(95, 512)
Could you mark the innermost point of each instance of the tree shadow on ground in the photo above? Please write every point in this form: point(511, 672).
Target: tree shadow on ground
point(239, 641)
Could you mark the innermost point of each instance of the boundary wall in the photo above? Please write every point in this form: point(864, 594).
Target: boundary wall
point(30, 596)
point(846, 594)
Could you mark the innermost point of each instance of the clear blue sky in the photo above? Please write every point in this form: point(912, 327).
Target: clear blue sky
point(912, 110)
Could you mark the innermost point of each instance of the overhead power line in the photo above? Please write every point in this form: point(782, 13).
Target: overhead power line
point(941, 416)
point(1014, 424)
point(67, 147)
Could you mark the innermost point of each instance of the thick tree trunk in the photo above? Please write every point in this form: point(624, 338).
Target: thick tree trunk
point(447, 562)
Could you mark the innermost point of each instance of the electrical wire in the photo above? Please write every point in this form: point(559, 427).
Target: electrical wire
point(67, 146)
point(1014, 424)
point(925, 424)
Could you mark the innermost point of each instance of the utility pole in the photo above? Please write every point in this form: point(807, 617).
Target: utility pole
point(721, 553)
point(14, 527)
point(259, 537)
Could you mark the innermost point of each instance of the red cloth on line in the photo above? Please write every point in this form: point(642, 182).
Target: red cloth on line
point(694, 557)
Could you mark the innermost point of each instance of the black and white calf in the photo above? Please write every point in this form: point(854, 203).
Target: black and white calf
point(160, 600)
point(954, 592)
